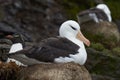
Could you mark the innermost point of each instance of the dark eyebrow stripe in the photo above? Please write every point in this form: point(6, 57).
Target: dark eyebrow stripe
point(72, 27)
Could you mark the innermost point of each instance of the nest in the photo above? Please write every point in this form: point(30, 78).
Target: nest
point(9, 71)
point(47, 71)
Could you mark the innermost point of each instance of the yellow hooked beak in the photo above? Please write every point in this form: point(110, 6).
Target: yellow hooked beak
point(81, 37)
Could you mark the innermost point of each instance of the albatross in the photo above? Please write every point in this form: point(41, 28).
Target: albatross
point(99, 13)
point(67, 47)
point(106, 10)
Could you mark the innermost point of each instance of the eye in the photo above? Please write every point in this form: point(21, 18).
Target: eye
point(73, 27)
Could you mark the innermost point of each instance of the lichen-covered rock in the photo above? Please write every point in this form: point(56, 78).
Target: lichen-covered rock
point(33, 18)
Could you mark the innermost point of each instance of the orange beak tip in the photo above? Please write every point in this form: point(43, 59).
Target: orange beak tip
point(87, 43)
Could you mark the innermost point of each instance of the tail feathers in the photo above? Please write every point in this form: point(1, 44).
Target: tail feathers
point(24, 59)
point(17, 62)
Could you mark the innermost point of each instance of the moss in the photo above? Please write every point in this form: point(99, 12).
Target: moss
point(116, 51)
point(104, 69)
point(94, 37)
point(97, 46)
point(70, 8)
point(108, 43)
point(103, 64)
point(107, 51)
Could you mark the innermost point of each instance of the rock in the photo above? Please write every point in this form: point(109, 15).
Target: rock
point(105, 33)
point(65, 71)
point(32, 18)
point(107, 29)
point(103, 64)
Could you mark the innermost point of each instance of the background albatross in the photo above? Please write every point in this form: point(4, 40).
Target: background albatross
point(67, 47)
point(99, 13)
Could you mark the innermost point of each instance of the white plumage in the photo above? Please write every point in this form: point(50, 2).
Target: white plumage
point(16, 47)
point(106, 10)
point(67, 32)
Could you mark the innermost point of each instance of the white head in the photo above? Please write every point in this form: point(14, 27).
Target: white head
point(70, 29)
point(105, 9)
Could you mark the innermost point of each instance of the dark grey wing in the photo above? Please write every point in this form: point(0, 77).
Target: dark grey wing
point(60, 43)
point(52, 48)
point(100, 14)
point(46, 51)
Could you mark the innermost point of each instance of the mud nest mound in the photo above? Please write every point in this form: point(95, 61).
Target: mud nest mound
point(9, 71)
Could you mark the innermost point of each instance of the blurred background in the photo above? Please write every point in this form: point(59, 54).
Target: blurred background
point(40, 19)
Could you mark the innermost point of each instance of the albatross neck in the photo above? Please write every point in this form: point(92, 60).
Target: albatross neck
point(75, 40)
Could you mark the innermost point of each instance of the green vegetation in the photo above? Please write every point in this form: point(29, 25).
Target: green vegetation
point(109, 46)
point(116, 51)
point(109, 42)
point(73, 7)
point(114, 7)
point(97, 46)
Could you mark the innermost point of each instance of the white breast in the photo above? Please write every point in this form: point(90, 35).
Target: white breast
point(81, 56)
